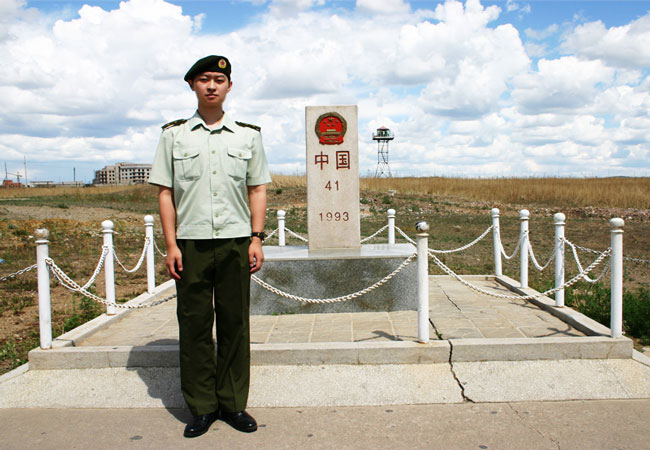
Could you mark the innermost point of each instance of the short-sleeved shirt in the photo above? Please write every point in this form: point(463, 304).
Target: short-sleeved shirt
point(209, 171)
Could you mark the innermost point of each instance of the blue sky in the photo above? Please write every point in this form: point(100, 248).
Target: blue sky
point(470, 88)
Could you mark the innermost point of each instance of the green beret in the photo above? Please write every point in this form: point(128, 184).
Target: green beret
point(212, 63)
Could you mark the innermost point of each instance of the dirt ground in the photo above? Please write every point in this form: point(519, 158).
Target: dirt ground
point(75, 246)
point(90, 214)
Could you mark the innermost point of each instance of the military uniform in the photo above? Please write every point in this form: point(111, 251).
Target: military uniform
point(209, 171)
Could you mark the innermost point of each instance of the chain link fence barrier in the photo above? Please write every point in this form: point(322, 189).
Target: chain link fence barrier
point(71, 285)
point(20, 272)
point(342, 298)
point(164, 255)
point(98, 268)
point(296, 235)
point(577, 260)
point(147, 242)
point(373, 234)
point(625, 258)
point(459, 249)
point(514, 252)
point(537, 265)
point(567, 284)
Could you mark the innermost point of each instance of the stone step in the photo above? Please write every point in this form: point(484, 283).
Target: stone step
point(355, 353)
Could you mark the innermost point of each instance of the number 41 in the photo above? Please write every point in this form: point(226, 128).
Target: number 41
point(328, 186)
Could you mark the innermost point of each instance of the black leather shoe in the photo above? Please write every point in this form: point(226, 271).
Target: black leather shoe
point(241, 421)
point(200, 424)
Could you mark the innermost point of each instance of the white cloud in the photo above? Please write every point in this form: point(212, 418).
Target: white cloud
point(624, 46)
point(460, 93)
point(512, 6)
point(543, 34)
point(383, 6)
point(288, 7)
point(560, 84)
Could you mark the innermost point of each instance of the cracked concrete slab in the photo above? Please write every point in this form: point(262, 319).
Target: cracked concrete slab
point(505, 381)
point(288, 385)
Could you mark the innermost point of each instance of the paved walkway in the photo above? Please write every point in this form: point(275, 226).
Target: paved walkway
point(456, 312)
point(594, 425)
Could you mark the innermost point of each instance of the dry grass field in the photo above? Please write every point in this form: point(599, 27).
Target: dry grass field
point(458, 210)
point(580, 192)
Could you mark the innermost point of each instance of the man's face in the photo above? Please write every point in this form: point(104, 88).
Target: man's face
point(211, 88)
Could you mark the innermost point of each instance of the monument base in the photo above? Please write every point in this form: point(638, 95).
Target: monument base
point(333, 273)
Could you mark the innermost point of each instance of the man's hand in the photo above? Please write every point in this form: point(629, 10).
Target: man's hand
point(174, 262)
point(255, 255)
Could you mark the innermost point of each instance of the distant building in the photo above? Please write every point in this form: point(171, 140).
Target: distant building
point(6, 183)
point(41, 183)
point(52, 184)
point(123, 173)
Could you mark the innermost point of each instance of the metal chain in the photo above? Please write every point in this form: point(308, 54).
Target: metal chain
point(577, 260)
point(602, 274)
point(69, 284)
point(140, 261)
point(465, 247)
point(20, 272)
point(164, 255)
point(534, 260)
point(295, 235)
point(405, 236)
point(644, 261)
point(459, 249)
point(569, 283)
point(514, 252)
point(272, 233)
point(342, 298)
point(626, 258)
point(100, 263)
point(374, 234)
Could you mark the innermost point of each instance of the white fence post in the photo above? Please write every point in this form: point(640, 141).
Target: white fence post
point(391, 226)
point(558, 220)
point(151, 262)
point(109, 270)
point(616, 324)
point(44, 304)
point(523, 235)
point(423, 281)
point(498, 268)
point(281, 236)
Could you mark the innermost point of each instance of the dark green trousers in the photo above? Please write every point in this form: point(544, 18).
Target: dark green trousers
point(214, 284)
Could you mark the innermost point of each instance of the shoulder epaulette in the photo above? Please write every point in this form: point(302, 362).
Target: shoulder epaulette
point(248, 125)
point(175, 123)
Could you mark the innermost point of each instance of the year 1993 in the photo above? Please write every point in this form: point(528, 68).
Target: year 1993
point(335, 216)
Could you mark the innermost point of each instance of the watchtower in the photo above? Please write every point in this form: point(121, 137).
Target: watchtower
point(383, 136)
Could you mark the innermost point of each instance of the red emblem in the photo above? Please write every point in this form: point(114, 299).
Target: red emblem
point(330, 128)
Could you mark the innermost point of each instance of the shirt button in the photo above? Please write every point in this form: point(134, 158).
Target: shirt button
point(214, 172)
point(215, 194)
point(213, 152)
point(216, 215)
point(185, 154)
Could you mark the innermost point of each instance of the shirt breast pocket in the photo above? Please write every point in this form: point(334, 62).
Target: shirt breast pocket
point(187, 163)
point(238, 162)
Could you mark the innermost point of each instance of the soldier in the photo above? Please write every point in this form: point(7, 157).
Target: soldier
point(205, 167)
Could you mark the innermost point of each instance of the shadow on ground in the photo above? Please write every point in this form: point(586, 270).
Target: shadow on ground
point(163, 382)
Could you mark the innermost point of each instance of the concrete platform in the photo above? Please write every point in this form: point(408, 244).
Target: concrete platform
point(465, 327)
point(341, 384)
point(483, 349)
